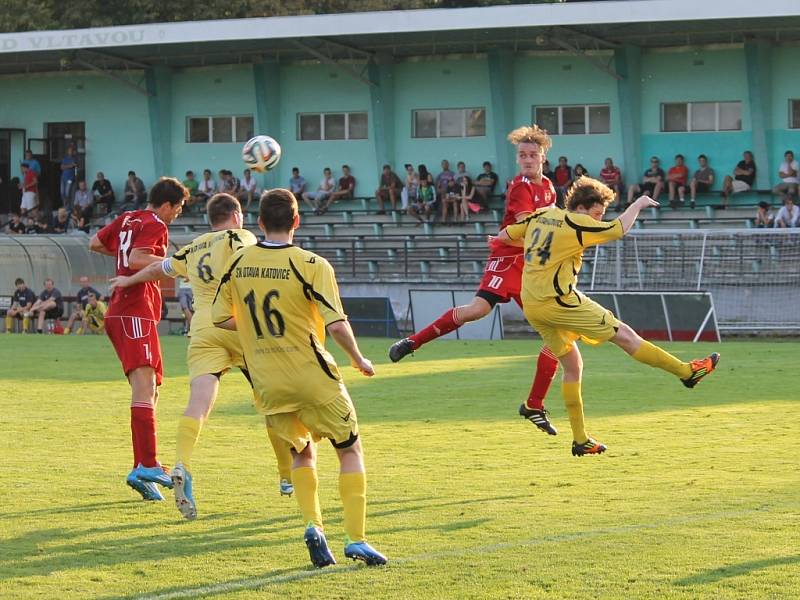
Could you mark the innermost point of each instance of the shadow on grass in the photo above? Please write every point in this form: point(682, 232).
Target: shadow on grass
point(744, 568)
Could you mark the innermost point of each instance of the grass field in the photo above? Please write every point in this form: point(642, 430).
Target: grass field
point(697, 496)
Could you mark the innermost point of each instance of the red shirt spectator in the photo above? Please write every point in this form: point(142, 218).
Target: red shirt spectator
point(610, 173)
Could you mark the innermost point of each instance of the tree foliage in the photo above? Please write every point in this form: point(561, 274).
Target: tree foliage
point(30, 15)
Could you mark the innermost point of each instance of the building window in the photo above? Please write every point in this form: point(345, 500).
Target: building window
point(449, 122)
point(578, 119)
point(701, 116)
point(332, 126)
point(219, 130)
point(794, 114)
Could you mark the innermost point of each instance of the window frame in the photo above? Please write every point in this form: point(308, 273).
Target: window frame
point(321, 116)
point(792, 102)
point(464, 114)
point(586, 121)
point(716, 103)
point(210, 122)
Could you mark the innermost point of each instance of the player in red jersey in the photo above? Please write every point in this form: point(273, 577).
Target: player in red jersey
point(529, 191)
point(136, 239)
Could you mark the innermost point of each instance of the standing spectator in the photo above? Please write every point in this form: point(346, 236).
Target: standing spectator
point(135, 192)
point(69, 174)
point(764, 216)
point(652, 182)
point(32, 163)
point(21, 306)
point(191, 184)
point(186, 302)
point(444, 180)
point(563, 179)
point(82, 297)
point(325, 189)
point(485, 184)
point(346, 189)
point(248, 189)
point(677, 178)
point(62, 221)
point(30, 190)
point(206, 188)
point(94, 315)
point(422, 204)
point(789, 172)
point(15, 225)
point(789, 215)
point(743, 177)
point(50, 304)
point(103, 192)
point(703, 179)
point(297, 183)
point(612, 177)
point(409, 193)
point(84, 205)
point(388, 189)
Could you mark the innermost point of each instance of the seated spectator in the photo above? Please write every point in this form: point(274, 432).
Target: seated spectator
point(222, 182)
point(547, 171)
point(50, 304)
point(422, 204)
point(232, 183)
point(467, 195)
point(788, 216)
point(612, 177)
point(789, 172)
point(297, 184)
point(702, 180)
point(43, 225)
point(82, 296)
point(94, 315)
point(325, 189)
point(15, 225)
point(743, 177)
point(424, 175)
point(31, 226)
point(388, 189)
point(248, 189)
point(764, 216)
point(205, 189)
point(677, 179)
point(564, 179)
point(135, 194)
point(409, 192)
point(103, 192)
point(62, 222)
point(83, 207)
point(191, 184)
point(346, 189)
point(32, 163)
point(186, 302)
point(30, 190)
point(485, 184)
point(652, 182)
point(444, 180)
point(461, 174)
point(579, 171)
point(21, 305)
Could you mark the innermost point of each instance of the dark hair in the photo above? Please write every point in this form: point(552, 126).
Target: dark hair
point(587, 192)
point(581, 167)
point(167, 189)
point(655, 159)
point(277, 210)
point(461, 162)
point(763, 204)
point(131, 173)
point(702, 156)
point(221, 207)
point(405, 166)
point(422, 171)
point(387, 167)
point(19, 281)
point(295, 169)
point(328, 169)
point(788, 152)
point(189, 173)
point(677, 156)
point(345, 166)
point(207, 171)
point(486, 162)
point(750, 153)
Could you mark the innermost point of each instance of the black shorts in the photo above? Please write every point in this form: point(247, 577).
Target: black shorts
point(647, 188)
point(54, 313)
point(702, 187)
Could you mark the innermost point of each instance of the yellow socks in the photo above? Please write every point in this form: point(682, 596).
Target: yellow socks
point(283, 455)
point(353, 490)
point(572, 401)
point(305, 489)
point(188, 432)
point(26, 323)
point(661, 359)
point(9, 324)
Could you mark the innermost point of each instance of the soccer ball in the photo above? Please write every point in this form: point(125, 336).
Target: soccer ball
point(261, 153)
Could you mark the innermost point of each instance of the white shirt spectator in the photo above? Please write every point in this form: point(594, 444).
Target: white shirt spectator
point(788, 217)
point(249, 185)
point(207, 186)
point(786, 166)
point(327, 184)
point(83, 198)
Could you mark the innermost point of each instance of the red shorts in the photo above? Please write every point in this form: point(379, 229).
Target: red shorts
point(502, 279)
point(136, 343)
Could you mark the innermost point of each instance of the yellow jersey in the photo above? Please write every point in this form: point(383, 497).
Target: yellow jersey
point(95, 316)
point(282, 298)
point(554, 243)
point(202, 262)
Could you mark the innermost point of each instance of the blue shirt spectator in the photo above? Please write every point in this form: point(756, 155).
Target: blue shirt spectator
point(32, 163)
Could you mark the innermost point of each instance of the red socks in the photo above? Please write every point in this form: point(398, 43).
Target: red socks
point(143, 430)
point(442, 326)
point(546, 368)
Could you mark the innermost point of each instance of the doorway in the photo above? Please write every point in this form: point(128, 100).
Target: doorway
point(59, 137)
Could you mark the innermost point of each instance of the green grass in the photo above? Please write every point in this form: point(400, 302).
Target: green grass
point(697, 496)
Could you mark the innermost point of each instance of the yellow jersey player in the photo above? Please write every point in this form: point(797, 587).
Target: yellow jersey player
point(94, 314)
point(281, 299)
point(554, 241)
point(212, 352)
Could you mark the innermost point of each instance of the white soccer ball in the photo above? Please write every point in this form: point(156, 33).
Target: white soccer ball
point(261, 153)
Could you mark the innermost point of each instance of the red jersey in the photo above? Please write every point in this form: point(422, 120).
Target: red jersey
point(136, 229)
point(523, 196)
point(30, 182)
point(680, 174)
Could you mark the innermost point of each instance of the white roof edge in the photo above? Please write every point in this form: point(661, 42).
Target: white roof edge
point(410, 21)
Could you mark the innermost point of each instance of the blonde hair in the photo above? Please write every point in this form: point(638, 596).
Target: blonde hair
point(531, 134)
point(587, 192)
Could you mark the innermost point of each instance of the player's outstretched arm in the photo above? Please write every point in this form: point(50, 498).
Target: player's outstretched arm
point(342, 334)
point(151, 272)
point(628, 218)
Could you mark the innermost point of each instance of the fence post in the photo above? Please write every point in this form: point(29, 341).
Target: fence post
point(702, 260)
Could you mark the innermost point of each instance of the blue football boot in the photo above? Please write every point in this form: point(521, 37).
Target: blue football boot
point(184, 499)
point(286, 487)
point(155, 474)
point(147, 489)
point(318, 547)
point(363, 551)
